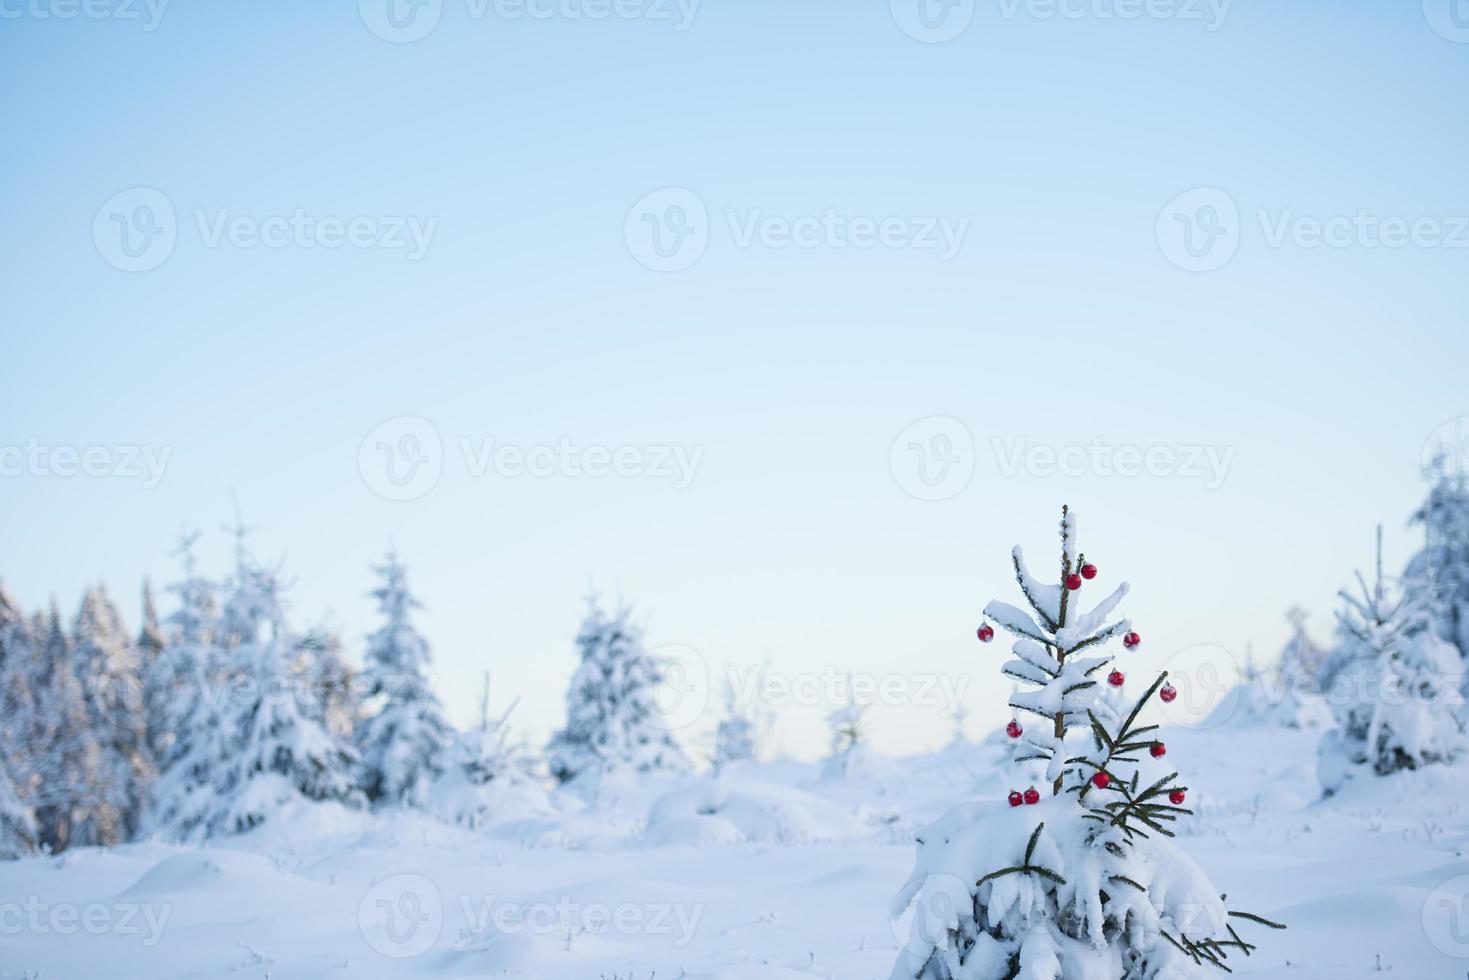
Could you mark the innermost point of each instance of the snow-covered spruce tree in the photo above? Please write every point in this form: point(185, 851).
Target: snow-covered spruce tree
point(73, 807)
point(21, 677)
point(112, 683)
point(331, 683)
point(1295, 695)
point(1395, 685)
point(18, 834)
point(850, 754)
point(611, 717)
point(1442, 566)
point(404, 743)
point(734, 737)
point(17, 823)
point(185, 669)
point(261, 748)
point(489, 774)
point(1082, 884)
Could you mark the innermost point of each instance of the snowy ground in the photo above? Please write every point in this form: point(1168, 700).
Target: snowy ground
point(1368, 882)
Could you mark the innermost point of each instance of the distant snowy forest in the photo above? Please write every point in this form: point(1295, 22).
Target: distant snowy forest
point(218, 714)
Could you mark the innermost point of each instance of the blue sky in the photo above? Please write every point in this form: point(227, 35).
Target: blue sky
point(1082, 156)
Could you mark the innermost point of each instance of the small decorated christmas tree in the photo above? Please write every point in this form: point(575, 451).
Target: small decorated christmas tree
point(1080, 881)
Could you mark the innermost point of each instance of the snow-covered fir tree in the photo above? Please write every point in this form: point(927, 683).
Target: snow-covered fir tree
point(18, 762)
point(179, 680)
point(150, 645)
point(1441, 568)
point(735, 735)
point(73, 804)
point(1296, 697)
point(612, 720)
point(21, 677)
point(488, 776)
point(1395, 686)
point(331, 682)
point(17, 824)
point(1075, 878)
point(112, 684)
point(257, 746)
point(405, 741)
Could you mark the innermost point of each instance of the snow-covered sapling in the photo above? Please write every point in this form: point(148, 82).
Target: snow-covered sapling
point(1395, 685)
point(1081, 882)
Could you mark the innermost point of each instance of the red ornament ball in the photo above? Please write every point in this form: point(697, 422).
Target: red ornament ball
point(1032, 797)
point(1013, 729)
point(1159, 750)
point(1115, 678)
point(1176, 797)
point(985, 633)
point(1015, 798)
point(1073, 581)
point(1131, 641)
point(1167, 692)
point(1088, 571)
point(1101, 780)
